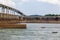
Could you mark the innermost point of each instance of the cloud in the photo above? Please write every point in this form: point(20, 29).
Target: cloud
point(23, 1)
point(57, 2)
point(8, 3)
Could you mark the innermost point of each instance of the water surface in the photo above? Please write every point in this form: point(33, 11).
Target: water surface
point(34, 31)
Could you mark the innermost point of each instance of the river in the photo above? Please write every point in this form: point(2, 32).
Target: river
point(34, 31)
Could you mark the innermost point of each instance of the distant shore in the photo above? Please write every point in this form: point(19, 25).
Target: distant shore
point(40, 21)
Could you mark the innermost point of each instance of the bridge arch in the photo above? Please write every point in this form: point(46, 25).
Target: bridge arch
point(7, 12)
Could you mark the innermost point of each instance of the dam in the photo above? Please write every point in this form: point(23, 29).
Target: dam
point(9, 17)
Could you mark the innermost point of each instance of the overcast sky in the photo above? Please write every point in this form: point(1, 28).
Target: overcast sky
point(35, 7)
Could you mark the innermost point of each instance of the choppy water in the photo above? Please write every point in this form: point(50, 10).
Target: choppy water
point(34, 31)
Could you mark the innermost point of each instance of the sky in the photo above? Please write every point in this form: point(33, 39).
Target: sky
point(34, 7)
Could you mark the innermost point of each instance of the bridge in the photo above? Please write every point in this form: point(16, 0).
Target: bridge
point(10, 16)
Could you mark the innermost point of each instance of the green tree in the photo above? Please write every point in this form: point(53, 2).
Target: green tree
point(52, 15)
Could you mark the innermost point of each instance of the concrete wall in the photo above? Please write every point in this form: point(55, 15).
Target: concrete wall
point(8, 16)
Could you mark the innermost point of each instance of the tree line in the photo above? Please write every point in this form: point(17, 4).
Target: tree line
point(52, 15)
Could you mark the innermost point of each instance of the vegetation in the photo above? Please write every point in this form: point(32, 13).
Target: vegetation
point(52, 15)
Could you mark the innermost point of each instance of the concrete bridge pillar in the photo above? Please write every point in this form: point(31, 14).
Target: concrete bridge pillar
point(7, 10)
point(3, 9)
